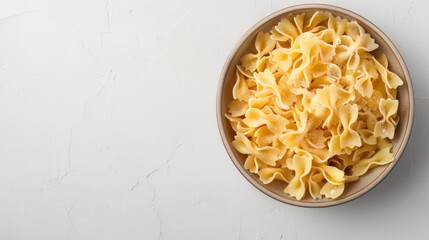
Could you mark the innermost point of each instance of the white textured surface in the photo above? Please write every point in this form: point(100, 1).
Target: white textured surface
point(108, 131)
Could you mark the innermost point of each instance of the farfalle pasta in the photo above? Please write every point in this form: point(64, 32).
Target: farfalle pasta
point(312, 106)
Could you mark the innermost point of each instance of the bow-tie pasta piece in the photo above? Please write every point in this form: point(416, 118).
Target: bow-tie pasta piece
point(315, 184)
point(239, 126)
point(237, 108)
point(354, 30)
point(252, 164)
point(266, 63)
point(382, 157)
point(389, 78)
point(364, 82)
point(245, 72)
point(312, 106)
point(263, 44)
point(317, 18)
point(364, 86)
point(328, 36)
point(268, 81)
point(256, 118)
point(292, 137)
point(248, 62)
point(337, 24)
point(331, 174)
point(332, 191)
point(328, 97)
point(318, 155)
point(285, 31)
point(365, 151)
point(365, 43)
point(352, 47)
point(386, 127)
point(349, 137)
point(240, 90)
point(268, 155)
point(284, 58)
point(267, 175)
point(299, 22)
point(263, 136)
point(365, 129)
point(297, 186)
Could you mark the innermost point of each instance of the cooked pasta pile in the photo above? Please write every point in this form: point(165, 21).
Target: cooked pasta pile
point(313, 107)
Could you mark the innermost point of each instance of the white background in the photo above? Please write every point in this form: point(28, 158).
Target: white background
point(108, 127)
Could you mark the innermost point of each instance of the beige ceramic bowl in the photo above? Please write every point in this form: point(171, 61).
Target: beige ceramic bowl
point(405, 97)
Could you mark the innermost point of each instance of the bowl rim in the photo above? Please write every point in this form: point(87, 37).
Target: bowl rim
point(403, 143)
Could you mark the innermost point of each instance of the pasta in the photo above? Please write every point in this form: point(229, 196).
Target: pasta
point(312, 107)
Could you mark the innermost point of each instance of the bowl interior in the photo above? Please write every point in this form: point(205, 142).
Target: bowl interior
point(405, 111)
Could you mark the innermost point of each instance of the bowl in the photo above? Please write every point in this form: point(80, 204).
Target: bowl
point(405, 110)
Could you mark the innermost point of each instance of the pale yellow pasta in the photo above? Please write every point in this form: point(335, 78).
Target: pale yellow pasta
point(312, 107)
point(386, 126)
